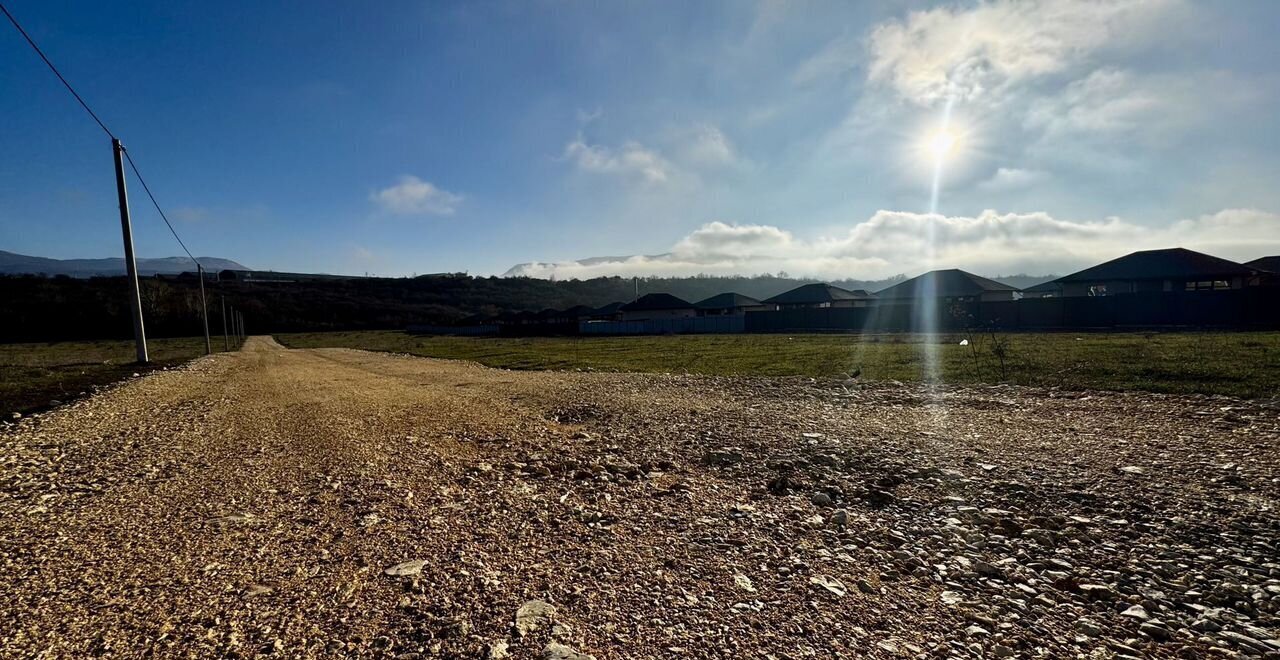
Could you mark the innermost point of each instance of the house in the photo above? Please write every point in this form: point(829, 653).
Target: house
point(578, 313)
point(657, 306)
point(820, 295)
point(1050, 289)
point(1173, 269)
point(731, 304)
point(951, 285)
point(608, 312)
point(1270, 264)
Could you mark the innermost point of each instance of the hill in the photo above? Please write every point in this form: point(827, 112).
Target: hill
point(20, 264)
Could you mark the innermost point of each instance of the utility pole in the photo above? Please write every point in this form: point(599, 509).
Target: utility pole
point(226, 341)
point(204, 311)
point(131, 266)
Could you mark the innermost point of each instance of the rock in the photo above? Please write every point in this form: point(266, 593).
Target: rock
point(1097, 591)
point(721, 458)
point(829, 583)
point(744, 583)
point(1136, 612)
point(1132, 469)
point(15, 415)
point(498, 650)
point(257, 590)
point(1155, 631)
point(558, 651)
point(411, 567)
point(950, 597)
point(840, 518)
point(821, 499)
point(866, 587)
point(533, 615)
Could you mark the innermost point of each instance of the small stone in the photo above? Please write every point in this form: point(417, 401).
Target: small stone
point(558, 651)
point(498, 650)
point(866, 587)
point(411, 567)
point(1132, 469)
point(1136, 612)
point(840, 518)
point(721, 458)
point(257, 590)
point(744, 583)
point(533, 615)
point(821, 499)
point(829, 583)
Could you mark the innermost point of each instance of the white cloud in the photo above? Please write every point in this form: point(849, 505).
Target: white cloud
point(1007, 179)
point(706, 145)
point(632, 160)
point(894, 242)
point(413, 196)
point(970, 53)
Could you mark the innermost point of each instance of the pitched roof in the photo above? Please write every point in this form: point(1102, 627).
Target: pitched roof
point(1173, 263)
point(727, 301)
point(1045, 287)
point(605, 310)
point(1270, 264)
point(812, 294)
point(655, 301)
point(577, 311)
point(950, 283)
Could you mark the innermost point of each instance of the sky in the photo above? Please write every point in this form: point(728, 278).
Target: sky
point(675, 138)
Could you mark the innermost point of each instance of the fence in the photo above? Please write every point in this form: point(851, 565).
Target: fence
point(699, 325)
point(1256, 308)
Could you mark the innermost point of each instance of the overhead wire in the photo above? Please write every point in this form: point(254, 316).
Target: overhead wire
point(102, 125)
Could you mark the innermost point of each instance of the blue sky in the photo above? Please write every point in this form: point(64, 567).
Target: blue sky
point(733, 137)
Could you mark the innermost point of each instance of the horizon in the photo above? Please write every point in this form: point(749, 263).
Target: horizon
point(720, 139)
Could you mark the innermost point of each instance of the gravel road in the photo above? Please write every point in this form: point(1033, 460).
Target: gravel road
point(338, 503)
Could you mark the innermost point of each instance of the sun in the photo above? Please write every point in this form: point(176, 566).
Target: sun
point(942, 143)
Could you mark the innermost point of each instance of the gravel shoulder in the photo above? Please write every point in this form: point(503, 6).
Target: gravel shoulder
point(341, 503)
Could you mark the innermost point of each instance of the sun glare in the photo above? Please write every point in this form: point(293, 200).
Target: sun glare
point(942, 143)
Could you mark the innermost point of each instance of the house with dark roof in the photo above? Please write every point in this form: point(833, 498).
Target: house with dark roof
point(820, 295)
point(1270, 264)
point(609, 312)
point(657, 306)
point(952, 285)
point(1173, 269)
point(731, 304)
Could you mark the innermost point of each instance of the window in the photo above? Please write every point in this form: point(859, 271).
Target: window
point(1208, 285)
point(1097, 289)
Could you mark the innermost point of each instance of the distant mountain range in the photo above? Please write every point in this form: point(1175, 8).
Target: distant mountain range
point(21, 264)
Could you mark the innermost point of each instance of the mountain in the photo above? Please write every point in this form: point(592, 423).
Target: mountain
point(21, 264)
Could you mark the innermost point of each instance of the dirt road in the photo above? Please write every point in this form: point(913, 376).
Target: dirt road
point(256, 502)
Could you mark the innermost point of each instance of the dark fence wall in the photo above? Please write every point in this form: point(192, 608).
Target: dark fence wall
point(1252, 308)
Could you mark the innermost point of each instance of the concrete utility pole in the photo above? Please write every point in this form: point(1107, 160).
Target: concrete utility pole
point(226, 341)
point(131, 266)
point(204, 311)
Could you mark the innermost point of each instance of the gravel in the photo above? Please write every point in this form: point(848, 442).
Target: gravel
point(337, 503)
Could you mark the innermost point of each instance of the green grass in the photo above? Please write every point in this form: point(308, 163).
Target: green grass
point(1237, 364)
point(32, 376)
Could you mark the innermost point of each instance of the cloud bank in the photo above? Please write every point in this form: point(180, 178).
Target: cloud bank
point(896, 242)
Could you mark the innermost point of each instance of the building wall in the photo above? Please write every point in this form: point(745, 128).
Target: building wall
point(659, 314)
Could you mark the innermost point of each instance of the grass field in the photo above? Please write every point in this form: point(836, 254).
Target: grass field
point(32, 376)
point(1238, 364)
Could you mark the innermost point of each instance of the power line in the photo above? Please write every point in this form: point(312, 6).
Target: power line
point(54, 69)
point(89, 110)
point(158, 209)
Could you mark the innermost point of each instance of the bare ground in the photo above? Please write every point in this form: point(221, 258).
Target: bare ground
point(252, 503)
